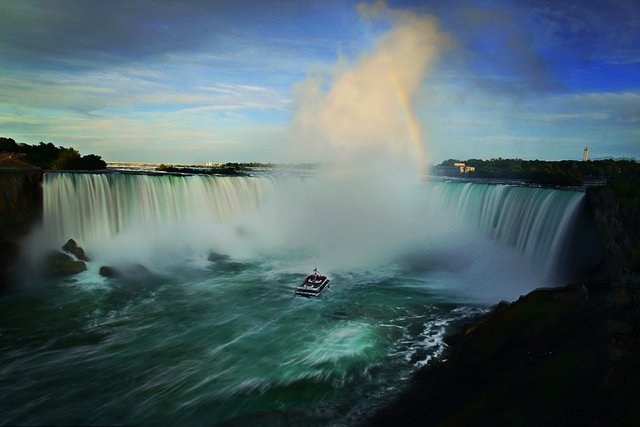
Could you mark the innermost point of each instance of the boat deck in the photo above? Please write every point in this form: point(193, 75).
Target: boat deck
point(313, 285)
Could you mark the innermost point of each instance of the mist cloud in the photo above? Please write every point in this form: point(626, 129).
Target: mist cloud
point(361, 111)
point(358, 119)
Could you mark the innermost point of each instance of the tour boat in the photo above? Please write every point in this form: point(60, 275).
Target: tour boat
point(313, 285)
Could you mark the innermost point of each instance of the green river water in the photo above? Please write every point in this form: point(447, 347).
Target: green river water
point(188, 341)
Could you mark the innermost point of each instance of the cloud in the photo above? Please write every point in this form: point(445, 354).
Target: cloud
point(89, 34)
point(601, 30)
point(162, 137)
point(92, 92)
point(616, 108)
point(498, 53)
point(563, 117)
point(362, 112)
point(206, 67)
point(81, 35)
point(544, 127)
point(533, 47)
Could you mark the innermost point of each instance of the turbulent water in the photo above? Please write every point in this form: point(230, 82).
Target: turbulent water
point(186, 338)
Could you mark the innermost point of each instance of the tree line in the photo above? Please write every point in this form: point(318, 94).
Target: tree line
point(563, 172)
point(49, 156)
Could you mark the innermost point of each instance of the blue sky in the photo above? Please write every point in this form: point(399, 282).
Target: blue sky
point(197, 81)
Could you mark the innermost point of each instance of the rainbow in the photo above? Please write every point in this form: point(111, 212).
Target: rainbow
point(413, 127)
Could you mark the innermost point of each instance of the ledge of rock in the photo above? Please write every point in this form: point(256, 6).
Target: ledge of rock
point(59, 264)
point(72, 247)
point(134, 273)
point(217, 257)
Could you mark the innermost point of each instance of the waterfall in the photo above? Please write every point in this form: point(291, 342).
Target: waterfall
point(536, 222)
point(98, 206)
point(133, 215)
point(130, 218)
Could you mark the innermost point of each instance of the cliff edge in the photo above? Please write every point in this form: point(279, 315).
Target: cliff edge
point(20, 210)
point(564, 356)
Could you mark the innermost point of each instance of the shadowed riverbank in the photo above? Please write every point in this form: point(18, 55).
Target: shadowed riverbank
point(20, 210)
point(565, 356)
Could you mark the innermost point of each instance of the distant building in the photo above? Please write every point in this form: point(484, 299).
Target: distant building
point(585, 155)
point(452, 170)
point(460, 166)
point(464, 168)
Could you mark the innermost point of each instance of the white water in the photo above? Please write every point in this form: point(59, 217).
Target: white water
point(506, 238)
point(198, 342)
point(533, 221)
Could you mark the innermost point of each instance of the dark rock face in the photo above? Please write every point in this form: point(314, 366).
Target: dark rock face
point(20, 210)
point(537, 361)
point(110, 272)
point(58, 264)
point(20, 201)
point(617, 214)
point(216, 257)
point(9, 252)
point(134, 273)
point(618, 224)
point(72, 247)
point(134, 270)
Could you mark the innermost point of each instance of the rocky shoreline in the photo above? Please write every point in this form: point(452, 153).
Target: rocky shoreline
point(564, 356)
point(537, 361)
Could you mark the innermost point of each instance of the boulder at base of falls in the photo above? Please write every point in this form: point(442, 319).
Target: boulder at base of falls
point(131, 271)
point(216, 257)
point(72, 247)
point(59, 264)
point(134, 273)
point(110, 272)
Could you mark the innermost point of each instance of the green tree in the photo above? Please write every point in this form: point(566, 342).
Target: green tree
point(48, 156)
point(91, 162)
point(9, 145)
point(67, 159)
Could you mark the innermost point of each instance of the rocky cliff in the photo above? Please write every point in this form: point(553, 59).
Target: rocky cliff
point(616, 209)
point(566, 356)
point(20, 210)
